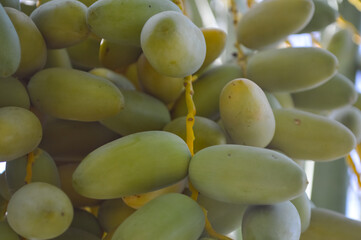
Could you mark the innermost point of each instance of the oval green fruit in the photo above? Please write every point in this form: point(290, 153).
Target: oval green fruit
point(351, 118)
point(117, 56)
point(303, 206)
point(10, 53)
point(47, 215)
point(246, 113)
point(112, 213)
point(13, 93)
point(172, 44)
point(32, 44)
point(138, 163)
point(66, 172)
point(342, 45)
point(85, 54)
point(20, 132)
point(74, 95)
point(270, 22)
point(326, 224)
point(246, 175)
point(224, 217)
point(275, 222)
point(86, 221)
point(61, 22)
point(273, 101)
point(291, 69)
point(303, 135)
point(167, 89)
point(141, 112)
point(121, 21)
point(337, 92)
point(58, 58)
point(215, 42)
point(284, 99)
point(171, 216)
point(323, 16)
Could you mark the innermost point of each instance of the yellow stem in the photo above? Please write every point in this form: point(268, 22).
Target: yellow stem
point(346, 24)
point(210, 229)
point(29, 167)
point(241, 57)
point(193, 190)
point(180, 4)
point(234, 12)
point(315, 42)
point(190, 141)
point(356, 3)
point(288, 43)
point(191, 113)
point(353, 168)
point(191, 108)
point(250, 3)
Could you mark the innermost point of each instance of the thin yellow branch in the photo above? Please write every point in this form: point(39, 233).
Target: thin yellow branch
point(250, 3)
point(194, 192)
point(346, 24)
point(352, 165)
point(190, 143)
point(180, 4)
point(241, 57)
point(234, 11)
point(315, 42)
point(356, 4)
point(29, 167)
point(191, 113)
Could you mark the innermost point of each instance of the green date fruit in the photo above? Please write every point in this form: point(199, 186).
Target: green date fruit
point(274, 222)
point(337, 92)
point(20, 132)
point(246, 175)
point(61, 22)
point(246, 113)
point(272, 21)
point(121, 21)
point(291, 69)
point(172, 44)
point(10, 53)
point(303, 135)
point(39, 211)
point(170, 216)
point(326, 224)
point(74, 95)
point(138, 163)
